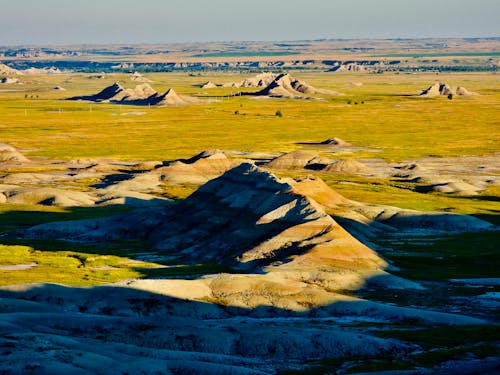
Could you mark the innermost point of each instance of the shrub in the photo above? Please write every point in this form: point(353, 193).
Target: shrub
point(279, 113)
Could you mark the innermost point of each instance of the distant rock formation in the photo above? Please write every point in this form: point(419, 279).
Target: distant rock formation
point(286, 86)
point(196, 170)
point(337, 142)
point(8, 71)
point(171, 99)
point(347, 166)
point(138, 77)
point(9, 154)
point(260, 80)
point(292, 160)
point(347, 68)
point(209, 85)
point(142, 95)
point(9, 81)
point(48, 197)
point(442, 89)
point(36, 71)
point(308, 160)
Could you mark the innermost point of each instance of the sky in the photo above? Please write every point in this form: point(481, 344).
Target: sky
point(60, 22)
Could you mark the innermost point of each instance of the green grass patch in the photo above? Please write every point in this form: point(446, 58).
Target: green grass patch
point(66, 267)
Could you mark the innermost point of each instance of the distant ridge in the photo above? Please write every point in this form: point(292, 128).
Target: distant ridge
point(347, 68)
point(8, 71)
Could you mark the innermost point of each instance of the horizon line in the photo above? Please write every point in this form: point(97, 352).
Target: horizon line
point(241, 41)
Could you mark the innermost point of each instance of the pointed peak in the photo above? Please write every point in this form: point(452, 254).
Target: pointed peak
point(170, 92)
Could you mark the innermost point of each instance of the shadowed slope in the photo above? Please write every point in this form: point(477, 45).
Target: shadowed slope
point(245, 218)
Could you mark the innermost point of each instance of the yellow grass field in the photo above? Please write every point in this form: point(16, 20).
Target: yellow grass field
point(399, 126)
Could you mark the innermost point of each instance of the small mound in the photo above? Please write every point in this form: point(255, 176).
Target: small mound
point(138, 77)
point(197, 170)
point(463, 91)
point(9, 154)
point(9, 81)
point(27, 178)
point(8, 71)
point(345, 68)
point(292, 160)
point(49, 197)
point(337, 142)
point(59, 88)
point(347, 166)
point(454, 187)
point(172, 99)
point(231, 84)
point(209, 85)
point(411, 171)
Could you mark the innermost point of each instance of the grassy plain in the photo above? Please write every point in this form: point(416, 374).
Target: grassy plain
point(400, 126)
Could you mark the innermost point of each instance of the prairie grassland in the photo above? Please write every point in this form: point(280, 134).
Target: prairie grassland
point(400, 126)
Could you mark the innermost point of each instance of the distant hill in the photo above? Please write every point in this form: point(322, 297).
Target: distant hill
point(142, 95)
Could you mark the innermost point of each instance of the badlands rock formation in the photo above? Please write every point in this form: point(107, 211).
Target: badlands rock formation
point(344, 68)
point(143, 95)
point(286, 86)
point(308, 160)
point(209, 85)
point(264, 221)
point(249, 219)
point(442, 89)
point(138, 77)
point(9, 154)
point(6, 70)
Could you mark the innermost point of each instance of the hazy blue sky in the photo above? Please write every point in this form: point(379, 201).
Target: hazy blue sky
point(164, 21)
